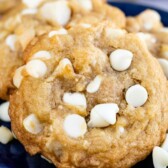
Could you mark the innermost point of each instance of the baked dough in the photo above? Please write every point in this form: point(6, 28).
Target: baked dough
point(31, 19)
point(77, 105)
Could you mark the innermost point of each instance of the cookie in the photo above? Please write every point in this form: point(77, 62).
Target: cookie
point(146, 21)
point(147, 25)
point(6, 5)
point(13, 42)
point(157, 44)
point(162, 35)
point(108, 13)
point(78, 105)
point(34, 18)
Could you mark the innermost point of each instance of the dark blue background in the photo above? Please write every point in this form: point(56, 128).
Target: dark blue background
point(13, 155)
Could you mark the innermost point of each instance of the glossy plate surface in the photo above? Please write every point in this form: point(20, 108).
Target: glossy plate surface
point(13, 155)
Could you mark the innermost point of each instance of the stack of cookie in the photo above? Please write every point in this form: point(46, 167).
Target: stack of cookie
point(84, 86)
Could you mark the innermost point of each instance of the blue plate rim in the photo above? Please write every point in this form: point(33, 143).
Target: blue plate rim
point(138, 4)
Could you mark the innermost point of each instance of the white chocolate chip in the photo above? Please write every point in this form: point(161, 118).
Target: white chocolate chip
point(4, 112)
point(136, 95)
point(32, 124)
point(86, 4)
point(57, 12)
point(103, 115)
point(164, 65)
point(32, 3)
point(41, 54)
point(94, 85)
point(5, 135)
point(147, 37)
point(75, 99)
point(63, 63)
point(114, 33)
point(75, 126)
point(165, 143)
point(57, 32)
point(148, 26)
point(149, 19)
point(121, 129)
point(11, 41)
point(36, 68)
point(43, 157)
point(121, 59)
point(160, 157)
point(18, 77)
point(30, 11)
point(64, 69)
point(85, 25)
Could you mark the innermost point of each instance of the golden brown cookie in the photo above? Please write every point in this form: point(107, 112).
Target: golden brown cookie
point(146, 21)
point(79, 105)
point(148, 27)
point(162, 37)
point(21, 30)
point(33, 18)
point(6, 5)
point(102, 11)
point(151, 42)
point(157, 43)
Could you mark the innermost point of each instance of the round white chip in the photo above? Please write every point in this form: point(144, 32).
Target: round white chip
point(149, 18)
point(4, 112)
point(75, 126)
point(56, 12)
point(103, 115)
point(75, 99)
point(10, 41)
point(5, 135)
point(136, 95)
point(86, 4)
point(94, 85)
point(18, 77)
point(36, 68)
point(32, 124)
point(160, 157)
point(41, 54)
point(121, 59)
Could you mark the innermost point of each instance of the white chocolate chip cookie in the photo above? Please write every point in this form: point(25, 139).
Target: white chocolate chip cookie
point(78, 105)
point(32, 18)
point(146, 21)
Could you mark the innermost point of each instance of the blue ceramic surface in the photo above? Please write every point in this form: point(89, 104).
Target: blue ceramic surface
point(13, 155)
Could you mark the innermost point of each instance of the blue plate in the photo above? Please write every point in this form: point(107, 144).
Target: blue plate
point(13, 155)
point(131, 9)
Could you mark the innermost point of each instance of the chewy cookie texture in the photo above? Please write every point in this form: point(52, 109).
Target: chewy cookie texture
point(84, 83)
point(6, 5)
point(32, 18)
point(147, 25)
point(87, 98)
